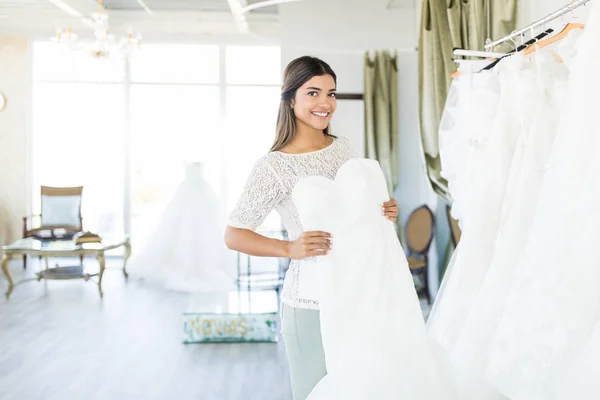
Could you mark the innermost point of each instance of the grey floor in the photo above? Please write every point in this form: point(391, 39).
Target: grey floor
point(59, 340)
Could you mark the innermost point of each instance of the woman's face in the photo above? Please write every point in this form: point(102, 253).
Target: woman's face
point(315, 102)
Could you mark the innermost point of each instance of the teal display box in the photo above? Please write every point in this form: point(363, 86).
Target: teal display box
point(235, 317)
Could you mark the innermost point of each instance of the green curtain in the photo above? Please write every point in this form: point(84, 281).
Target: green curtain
point(381, 115)
point(445, 25)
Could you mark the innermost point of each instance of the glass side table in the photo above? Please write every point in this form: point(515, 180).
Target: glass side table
point(62, 248)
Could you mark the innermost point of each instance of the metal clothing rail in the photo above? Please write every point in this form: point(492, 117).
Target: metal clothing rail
point(550, 17)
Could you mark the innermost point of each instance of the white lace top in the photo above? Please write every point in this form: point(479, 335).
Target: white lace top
point(269, 187)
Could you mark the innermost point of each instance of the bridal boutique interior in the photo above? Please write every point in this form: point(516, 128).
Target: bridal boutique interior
point(128, 129)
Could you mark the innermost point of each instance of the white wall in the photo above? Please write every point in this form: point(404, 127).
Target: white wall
point(14, 135)
point(340, 32)
point(532, 10)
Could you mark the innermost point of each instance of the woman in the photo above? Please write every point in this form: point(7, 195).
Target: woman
point(303, 147)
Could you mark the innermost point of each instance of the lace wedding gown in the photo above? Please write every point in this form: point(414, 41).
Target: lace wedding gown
point(546, 346)
point(540, 94)
point(456, 135)
point(518, 305)
point(186, 252)
point(374, 337)
point(488, 160)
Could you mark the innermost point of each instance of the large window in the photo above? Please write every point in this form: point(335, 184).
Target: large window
point(175, 119)
point(170, 105)
point(252, 101)
point(78, 128)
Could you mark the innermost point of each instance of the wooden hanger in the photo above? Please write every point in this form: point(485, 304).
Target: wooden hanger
point(457, 73)
point(521, 48)
point(559, 36)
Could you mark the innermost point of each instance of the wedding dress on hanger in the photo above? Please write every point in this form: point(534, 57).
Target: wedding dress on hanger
point(185, 252)
point(488, 158)
point(524, 324)
point(541, 90)
point(546, 346)
point(374, 337)
point(455, 141)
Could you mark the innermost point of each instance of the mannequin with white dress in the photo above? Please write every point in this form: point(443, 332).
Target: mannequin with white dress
point(186, 252)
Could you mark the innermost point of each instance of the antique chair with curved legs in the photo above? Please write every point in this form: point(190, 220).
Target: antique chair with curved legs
point(419, 235)
point(60, 216)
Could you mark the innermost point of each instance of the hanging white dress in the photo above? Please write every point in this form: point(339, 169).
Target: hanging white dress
point(454, 145)
point(454, 135)
point(541, 92)
point(374, 337)
point(555, 301)
point(489, 155)
point(186, 252)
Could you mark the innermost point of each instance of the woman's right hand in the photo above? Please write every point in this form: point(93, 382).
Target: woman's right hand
point(310, 244)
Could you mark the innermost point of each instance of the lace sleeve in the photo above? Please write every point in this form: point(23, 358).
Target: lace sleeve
point(262, 192)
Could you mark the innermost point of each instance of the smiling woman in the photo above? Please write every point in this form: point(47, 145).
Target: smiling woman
point(304, 146)
point(307, 104)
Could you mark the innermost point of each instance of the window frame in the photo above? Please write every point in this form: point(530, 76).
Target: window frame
point(126, 84)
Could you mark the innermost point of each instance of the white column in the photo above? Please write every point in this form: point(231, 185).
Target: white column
point(223, 126)
point(127, 216)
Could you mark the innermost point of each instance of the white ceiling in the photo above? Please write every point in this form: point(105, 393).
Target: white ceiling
point(181, 20)
point(189, 18)
point(179, 5)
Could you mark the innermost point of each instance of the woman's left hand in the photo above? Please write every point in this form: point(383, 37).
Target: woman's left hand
point(390, 210)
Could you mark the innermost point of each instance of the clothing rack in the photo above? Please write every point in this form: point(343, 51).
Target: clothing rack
point(475, 53)
point(550, 17)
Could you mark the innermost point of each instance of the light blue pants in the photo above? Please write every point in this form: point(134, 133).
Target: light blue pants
point(301, 332)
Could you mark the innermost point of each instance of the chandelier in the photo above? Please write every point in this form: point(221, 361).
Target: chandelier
point(104, 43)
point(66, 40)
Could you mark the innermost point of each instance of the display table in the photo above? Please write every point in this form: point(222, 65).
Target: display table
point(61, 248)
point(238, 316)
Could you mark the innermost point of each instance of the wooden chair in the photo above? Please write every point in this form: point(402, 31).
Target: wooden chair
point(455, 231)
point(419, 235)
point(60, 216)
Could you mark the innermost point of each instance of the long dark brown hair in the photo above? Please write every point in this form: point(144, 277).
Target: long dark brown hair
point(296, 74)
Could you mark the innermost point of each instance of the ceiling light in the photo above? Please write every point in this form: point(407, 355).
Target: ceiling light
point(265, 3)
point(66, 8)
point(105, 40)
point(145, 7)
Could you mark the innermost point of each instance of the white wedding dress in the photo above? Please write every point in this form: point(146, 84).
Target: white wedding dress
point(185, 252)
point(470, 105)
point(374, 337)
point(487, 161)
point(519, 307)
point(546, 346)
point(541, 91)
